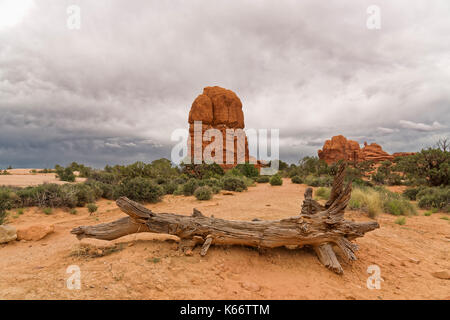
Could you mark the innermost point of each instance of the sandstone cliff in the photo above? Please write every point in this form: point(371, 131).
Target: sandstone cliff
point(341, 148)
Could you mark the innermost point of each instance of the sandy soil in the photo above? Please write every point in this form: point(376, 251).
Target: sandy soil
point(24, 178)
point(150, 268)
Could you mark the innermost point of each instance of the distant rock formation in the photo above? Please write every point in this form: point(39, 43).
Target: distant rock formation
point(221, 109)
point(340, 148)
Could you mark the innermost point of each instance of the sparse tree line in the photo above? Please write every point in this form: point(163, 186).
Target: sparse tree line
point(426, 174)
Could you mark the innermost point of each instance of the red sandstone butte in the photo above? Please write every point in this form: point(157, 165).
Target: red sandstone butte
point(340, 148)
point(221, 109)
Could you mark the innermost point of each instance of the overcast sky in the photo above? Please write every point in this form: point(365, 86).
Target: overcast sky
point(113, 91)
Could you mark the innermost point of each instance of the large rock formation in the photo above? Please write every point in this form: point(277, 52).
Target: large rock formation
point(221, 109)
point(340, 148)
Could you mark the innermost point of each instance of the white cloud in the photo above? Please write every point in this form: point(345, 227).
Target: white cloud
point(418, 126)
point(386, 130)
point(310, 68)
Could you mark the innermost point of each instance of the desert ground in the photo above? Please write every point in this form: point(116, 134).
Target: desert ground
point(24, 178)
point(150, 266)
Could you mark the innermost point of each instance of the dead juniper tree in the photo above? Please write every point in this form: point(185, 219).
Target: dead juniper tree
point(322, 227)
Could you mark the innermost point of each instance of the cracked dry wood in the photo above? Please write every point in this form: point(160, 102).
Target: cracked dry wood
point(317, 226)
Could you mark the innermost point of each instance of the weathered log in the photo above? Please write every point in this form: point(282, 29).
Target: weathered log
point(317, 226)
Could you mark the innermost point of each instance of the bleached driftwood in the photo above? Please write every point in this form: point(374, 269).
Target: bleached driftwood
point(318, 226)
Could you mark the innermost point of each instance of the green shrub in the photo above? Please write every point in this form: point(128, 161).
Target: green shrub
point(434, 197)
point(92, 207)
point(211, 182)
point(297, 179)
point(263, 179)
point(170, 187)
point(323, 193)
point(141, 189)
point(430, 166)
point(248, 170)
point(73, 211)
point(190, 186)
point(411, 193)
point(428, 213)
point(20, 211)
point(249, 182)
point(394, 179)
point(203, 193)
point(323, 181)
point(234, 184)
point(395, 203)
point(47, 211)
point(83, 193)
point(65, 174)
point(216, 189)
point(104, 177)
point(3, 216)
point(400, 221)
point(5, 203)
point(276, 180)
point(179, 190)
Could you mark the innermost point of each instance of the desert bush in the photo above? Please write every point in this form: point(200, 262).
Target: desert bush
point(322, 181)
point(297, 179)
point(181, 179)
point(398, 207)
point(248, 170)
point(435, 197)
point(430, 165)
point(47, 211)
point(394, 203)
point(202, 171)
point(170, 187)
point(411, 193)
point(378, 177)
point(276, 180)
point(400, 221)
point(190, 186)
point(179, 190)
point(73, 211)
point(141, 189)
point(203, 193)
point(216, 189)
point(211, 182)
point(83, 193)
point(104, 177)
point(249, 182)
point(263, 179)
point(92, 207)
point(394, 179)
point(5, 204)
point(65, 174)
point(97, 187)
point(232, 183)
point(323, 193)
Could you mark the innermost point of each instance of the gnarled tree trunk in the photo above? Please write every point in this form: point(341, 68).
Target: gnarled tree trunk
point(317, 226)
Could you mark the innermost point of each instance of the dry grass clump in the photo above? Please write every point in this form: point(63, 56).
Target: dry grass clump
point(80, 251)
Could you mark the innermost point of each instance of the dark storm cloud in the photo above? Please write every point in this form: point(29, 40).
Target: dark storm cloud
point(114, 91)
